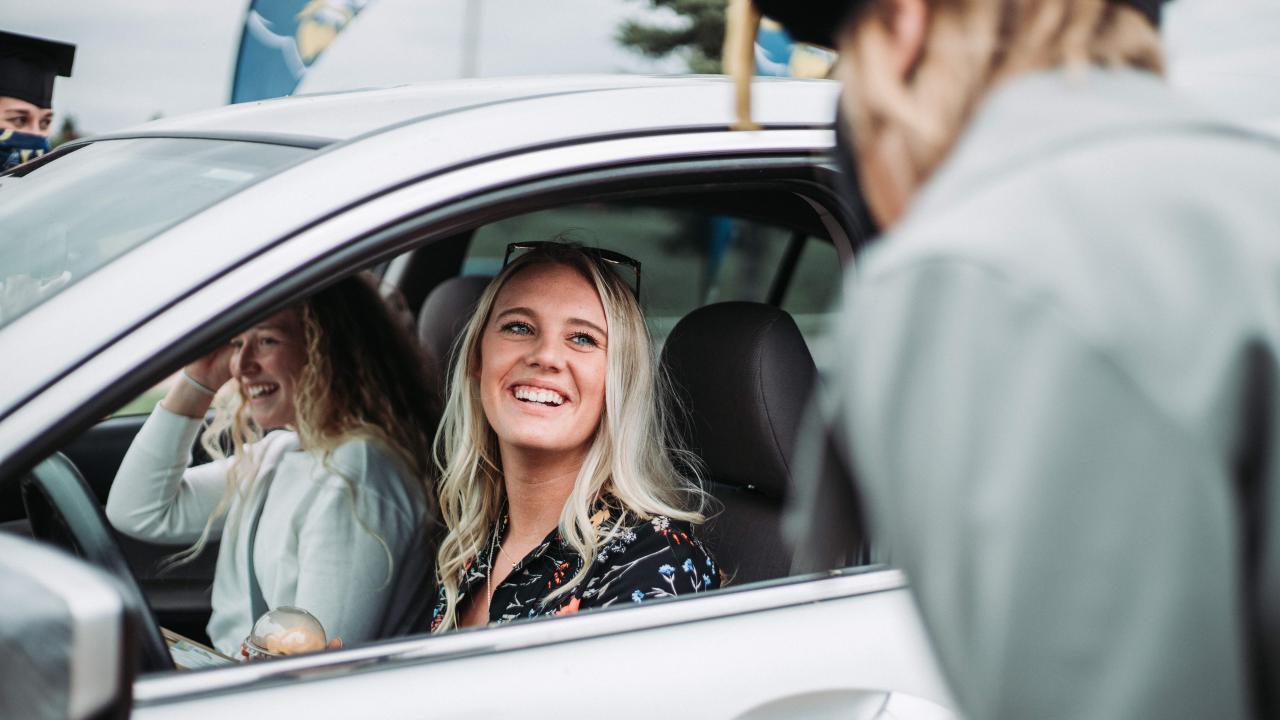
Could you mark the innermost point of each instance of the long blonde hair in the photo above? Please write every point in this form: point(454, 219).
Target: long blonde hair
point(362, 379)
point(972, 46)
point(630, 466)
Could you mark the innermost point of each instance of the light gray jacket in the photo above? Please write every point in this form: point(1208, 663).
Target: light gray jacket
point(342, 536)
point(1060, 399)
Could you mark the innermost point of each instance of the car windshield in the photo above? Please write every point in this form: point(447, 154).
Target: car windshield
point(65, 219)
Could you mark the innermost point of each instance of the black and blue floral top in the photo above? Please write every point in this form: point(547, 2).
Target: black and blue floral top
point(647, 559)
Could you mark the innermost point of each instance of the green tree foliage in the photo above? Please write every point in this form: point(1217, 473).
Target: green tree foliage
point(698, 38)
point(70, 131)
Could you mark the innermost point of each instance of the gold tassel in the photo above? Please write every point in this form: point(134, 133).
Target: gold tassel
point(741, 26)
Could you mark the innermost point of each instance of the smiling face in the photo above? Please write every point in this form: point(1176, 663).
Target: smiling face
point(543, 362)
point(267, 360)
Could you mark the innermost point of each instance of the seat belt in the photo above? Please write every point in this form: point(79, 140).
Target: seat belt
point(257, 602)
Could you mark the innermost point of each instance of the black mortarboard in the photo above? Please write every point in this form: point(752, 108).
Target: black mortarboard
point(817, 21)
point(28, 66)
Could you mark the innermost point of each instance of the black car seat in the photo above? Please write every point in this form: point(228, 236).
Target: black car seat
point(743, 376)
point(443, 316)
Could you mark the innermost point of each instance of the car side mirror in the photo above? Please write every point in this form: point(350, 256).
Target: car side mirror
point(66, 644)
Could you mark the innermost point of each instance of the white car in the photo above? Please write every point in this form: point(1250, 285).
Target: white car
point(126, 255)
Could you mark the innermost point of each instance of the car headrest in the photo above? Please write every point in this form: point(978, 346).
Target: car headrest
point(743, 374)
point(443, 316)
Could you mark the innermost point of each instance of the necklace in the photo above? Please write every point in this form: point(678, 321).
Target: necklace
point(495, 552)
point(503, 551)
point(488, 578)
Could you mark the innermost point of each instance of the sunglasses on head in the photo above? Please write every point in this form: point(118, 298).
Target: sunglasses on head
point(626, 267)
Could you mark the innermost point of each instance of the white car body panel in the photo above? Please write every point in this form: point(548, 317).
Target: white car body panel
point(848, 655)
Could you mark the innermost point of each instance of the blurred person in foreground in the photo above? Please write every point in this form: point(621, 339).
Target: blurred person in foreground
point(28, 66)
point(1061, 374)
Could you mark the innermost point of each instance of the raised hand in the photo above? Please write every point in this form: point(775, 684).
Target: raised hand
point(192, 394)
point(213, 370)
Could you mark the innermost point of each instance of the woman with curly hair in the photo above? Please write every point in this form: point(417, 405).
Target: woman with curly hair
point(558, 488)
point(324, 501)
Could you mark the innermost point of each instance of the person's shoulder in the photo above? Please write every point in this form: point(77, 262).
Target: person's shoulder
point(658, 537)
point(358, 451)
point(661, 528)
point(366, 454)
point(1086, 192)
point(271, 448)
point(1071, 232)
point(646, 558)
point(373, 467)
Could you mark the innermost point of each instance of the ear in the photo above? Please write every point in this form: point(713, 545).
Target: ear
point(907, 25)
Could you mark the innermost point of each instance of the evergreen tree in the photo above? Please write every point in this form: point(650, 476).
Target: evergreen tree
point(698, 38)
point(70, 131)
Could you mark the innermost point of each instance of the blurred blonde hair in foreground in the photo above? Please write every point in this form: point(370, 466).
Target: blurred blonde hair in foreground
point(970, 48)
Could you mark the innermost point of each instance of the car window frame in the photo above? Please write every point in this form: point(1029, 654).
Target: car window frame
point(363, 235)
point(402, 271)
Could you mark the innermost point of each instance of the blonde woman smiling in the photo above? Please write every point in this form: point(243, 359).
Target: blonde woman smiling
point(558, 489)
point(324, 501)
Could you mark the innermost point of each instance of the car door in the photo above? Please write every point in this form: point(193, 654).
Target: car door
point(842, 646)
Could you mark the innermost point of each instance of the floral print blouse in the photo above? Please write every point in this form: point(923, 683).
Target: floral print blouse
point(652, 558)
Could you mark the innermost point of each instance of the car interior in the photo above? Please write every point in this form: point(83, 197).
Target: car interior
point(738, 282)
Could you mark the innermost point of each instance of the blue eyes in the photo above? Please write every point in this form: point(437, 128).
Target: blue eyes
point(517, 328)
point(581, 339)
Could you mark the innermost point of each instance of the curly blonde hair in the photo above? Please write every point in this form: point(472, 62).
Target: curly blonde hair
point(631, 465)
point(362, 379)
point(973, 46)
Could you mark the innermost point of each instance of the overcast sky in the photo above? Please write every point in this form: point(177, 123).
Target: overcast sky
point(139, 58)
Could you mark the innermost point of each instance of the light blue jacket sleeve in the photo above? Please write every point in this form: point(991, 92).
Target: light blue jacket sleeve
point(1059, 529)
point(155, 495)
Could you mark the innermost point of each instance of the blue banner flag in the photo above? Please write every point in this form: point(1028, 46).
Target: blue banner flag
point(281, 39)
point(778, 56)
point(773, 50)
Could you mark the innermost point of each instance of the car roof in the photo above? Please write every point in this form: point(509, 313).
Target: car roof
point(322, 119)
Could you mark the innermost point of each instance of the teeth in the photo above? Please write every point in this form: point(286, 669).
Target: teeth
point(538, 395)
point(259, 390)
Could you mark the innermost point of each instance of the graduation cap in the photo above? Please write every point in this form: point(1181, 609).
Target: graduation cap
point(811, 21)
point(29, 64)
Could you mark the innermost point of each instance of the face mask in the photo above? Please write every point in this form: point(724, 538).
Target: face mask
point(847, 183)
point(19, 147)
